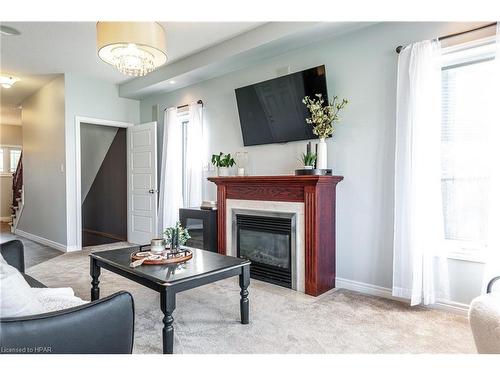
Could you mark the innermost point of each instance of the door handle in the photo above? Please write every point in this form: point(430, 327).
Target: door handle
point(152, 191)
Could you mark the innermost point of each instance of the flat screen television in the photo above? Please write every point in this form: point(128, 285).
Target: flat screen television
point(272, 111)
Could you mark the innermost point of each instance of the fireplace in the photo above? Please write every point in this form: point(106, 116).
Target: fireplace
point(310, 198)
point(267, 239)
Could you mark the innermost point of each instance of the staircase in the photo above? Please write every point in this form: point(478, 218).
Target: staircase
point(17, 195)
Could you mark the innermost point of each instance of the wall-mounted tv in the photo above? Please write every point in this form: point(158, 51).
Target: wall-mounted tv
point(272, 111)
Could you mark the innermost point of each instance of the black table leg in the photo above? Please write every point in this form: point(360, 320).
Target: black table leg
point(244, 283)
point(95, 272)
point(167, 301)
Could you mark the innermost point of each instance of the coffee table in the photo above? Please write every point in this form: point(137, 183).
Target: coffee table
point(204, 268)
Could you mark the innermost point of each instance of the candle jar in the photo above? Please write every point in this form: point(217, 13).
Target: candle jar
point(157, 245)
point(241, 159)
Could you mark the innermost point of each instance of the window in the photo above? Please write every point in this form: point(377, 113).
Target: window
point(467, 105)
point(9, 157)
point(184, 120)
point(15, 155)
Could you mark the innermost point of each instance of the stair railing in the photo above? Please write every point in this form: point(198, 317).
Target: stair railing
point(17, 181)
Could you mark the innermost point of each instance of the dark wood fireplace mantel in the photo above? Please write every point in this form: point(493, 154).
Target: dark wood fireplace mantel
point(318, 195)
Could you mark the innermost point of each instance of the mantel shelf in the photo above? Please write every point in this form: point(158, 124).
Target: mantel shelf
point(276, 179)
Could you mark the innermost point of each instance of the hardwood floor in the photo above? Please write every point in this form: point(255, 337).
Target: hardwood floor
point(34, 253)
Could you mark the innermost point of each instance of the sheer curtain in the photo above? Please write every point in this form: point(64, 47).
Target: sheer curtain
point(419, 265)
point(171, 171)
point(194, 156)
point(492, 266)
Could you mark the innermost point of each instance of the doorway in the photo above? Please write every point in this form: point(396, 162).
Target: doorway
point(103, 165)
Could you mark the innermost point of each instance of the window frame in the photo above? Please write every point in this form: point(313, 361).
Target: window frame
point(467, 250)
point(6, 159)
point(17, 150)
point(183, 117)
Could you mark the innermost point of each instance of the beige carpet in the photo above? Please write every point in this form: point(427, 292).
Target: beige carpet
point(281, 320)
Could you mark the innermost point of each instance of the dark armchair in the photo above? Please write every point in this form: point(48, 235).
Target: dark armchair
point(489, 288)
point(104, 326)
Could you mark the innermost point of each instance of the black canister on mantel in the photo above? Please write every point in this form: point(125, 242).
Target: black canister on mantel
point(313, 172)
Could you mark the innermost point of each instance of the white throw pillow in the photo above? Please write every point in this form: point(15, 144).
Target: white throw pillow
point(16, 296)
point(54, 299)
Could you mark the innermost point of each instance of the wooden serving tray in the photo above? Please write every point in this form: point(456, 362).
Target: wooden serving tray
point(165, 258)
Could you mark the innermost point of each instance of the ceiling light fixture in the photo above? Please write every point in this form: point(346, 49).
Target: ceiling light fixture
point(8, 81)
point(7, 30)
point(134, 48)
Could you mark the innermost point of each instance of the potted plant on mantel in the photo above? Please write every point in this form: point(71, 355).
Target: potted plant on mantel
point(223, 162)
point(322, 119)
point(309, 160)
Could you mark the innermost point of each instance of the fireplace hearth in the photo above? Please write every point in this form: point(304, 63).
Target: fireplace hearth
point(268, 240)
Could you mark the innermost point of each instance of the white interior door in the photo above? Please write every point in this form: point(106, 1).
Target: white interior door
point(142, 183)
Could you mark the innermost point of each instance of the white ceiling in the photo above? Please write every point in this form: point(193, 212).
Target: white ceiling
point(47, 48)
point(196, 51)
point(22, 89)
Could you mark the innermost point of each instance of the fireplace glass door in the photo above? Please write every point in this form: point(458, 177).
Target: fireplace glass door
point(266, 242)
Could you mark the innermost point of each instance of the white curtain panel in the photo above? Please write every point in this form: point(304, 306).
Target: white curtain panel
point(419, 263)
point(171, 171)
point(194, 156)
point(492, 261)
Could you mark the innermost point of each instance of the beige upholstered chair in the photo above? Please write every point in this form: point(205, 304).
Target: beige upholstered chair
point(484, 318)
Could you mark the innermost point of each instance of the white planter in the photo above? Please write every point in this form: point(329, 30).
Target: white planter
point(223, 171)
point(307, 167)
point(322, 155)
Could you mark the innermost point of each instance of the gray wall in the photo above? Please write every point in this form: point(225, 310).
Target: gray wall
point(44, 176)
point(88, 97)
point(49, 150)
point(361, 66)
point(94, 144)
point(11, 135)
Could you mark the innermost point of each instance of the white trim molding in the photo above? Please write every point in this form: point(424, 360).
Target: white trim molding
point(43, 241)
point(74, 182)
point(378, 291)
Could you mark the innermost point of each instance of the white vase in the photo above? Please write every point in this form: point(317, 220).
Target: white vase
point(223, 171)
point(322, 155)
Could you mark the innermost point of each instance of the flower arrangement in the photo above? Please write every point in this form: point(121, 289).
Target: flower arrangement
point(176, 236)
point(323, 116)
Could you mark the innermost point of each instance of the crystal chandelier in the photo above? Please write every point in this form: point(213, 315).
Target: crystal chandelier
point(134, 48)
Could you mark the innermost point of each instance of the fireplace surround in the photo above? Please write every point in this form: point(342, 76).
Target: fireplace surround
point(315, 196)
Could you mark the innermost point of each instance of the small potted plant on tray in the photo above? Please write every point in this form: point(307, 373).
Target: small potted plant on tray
point(223, 162)
point(176, 236)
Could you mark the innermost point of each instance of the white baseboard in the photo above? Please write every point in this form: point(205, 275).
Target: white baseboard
point(72, 248)
point(374, 290)
point(452, 306)
point(43, 241)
